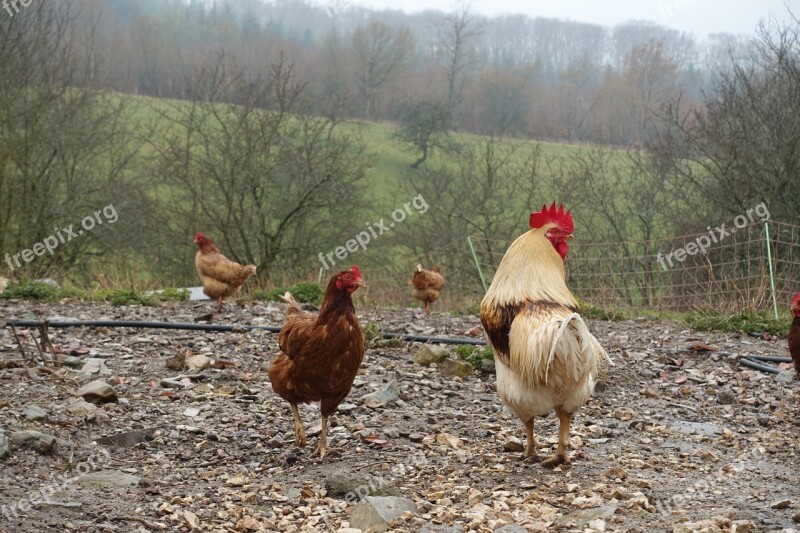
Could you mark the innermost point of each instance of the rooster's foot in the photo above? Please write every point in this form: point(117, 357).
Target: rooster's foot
point(556, 460)
point(530, 458)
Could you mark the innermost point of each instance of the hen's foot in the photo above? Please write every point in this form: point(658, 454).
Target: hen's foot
point(556, 460)
point(324, 450)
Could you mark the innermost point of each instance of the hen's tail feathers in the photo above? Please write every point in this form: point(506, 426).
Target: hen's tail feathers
point(294, 307)
point(563, 348)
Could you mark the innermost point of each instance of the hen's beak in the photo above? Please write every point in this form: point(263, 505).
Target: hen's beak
point(569, 237)
point(360, 283)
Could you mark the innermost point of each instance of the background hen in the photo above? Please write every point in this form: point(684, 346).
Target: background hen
point(320, 353)
point(794, 334)
point(221, 277)
point(426, 285)
point(546, 358)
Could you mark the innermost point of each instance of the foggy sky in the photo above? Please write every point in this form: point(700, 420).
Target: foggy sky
point(700, 17)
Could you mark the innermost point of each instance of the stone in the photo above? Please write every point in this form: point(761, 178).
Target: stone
point(488, 366)
point(450, 368)
point(382, 397)
point(40, 442)
point(513, 444)
point(97, 392)
point(33, 412)
point(198, 363)
point(726, 397)
point(511, 529)
point(781, 504)
point(353, 486)
point(430, 354)
point(5, 446)
point(95, 365)
point(108, 478)
point(375, 512)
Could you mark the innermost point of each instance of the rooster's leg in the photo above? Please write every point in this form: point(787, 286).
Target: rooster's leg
point(299, 432)
point(530, 448)
point(322, 446)
point(563, 438)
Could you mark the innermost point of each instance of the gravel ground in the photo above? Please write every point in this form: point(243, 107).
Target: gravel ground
point(675, 439)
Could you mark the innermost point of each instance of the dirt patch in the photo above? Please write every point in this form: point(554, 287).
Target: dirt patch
point(674, 440)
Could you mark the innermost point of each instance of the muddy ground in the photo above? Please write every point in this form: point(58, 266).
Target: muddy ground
point(674, 440)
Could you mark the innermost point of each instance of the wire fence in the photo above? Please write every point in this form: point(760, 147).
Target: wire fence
point(698, 271)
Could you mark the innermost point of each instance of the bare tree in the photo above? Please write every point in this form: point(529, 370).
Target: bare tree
point(424, 125)
point(380, 52)
point(457, 39)
point(261, 177)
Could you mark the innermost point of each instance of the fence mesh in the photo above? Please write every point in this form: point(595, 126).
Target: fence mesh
point(732, 274)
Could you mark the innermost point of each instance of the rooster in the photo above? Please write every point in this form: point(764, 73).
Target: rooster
point(794, 334)
point(320, 354)
point(221, 276)
point(427, 285)
point(546, 358)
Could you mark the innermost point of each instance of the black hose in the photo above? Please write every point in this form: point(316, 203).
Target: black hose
point(770, 358)
point(210, 327)
point(750, 362)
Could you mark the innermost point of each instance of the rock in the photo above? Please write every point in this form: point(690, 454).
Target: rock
point(94, 365)
point(81, 408)
point(513, 444)
point(616, 472)
point(781, 504)
point(348, 530)
point(450, 368)
point(785, 376)
point(763, 420)
point(53, 284)
point(795, 518)
point(726, 397)
point(511, 529)
point(275, 442)
point(108, 478)
point(353, 486)
point(198, 363)
point(34, 412)
point(5, 446)
point(430, 354)
point(346, 408)
point(97, 392)
point(191, 520)
point(375, 512)
point(487, 365)
point(128, 438)
point(40, 442)
point(70, 361)
point(382, 397)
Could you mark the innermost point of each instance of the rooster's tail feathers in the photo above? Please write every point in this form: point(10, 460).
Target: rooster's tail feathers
point(562, 349)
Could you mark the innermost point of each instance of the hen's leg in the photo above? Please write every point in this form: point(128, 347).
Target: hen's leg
point(322, 445)
point(530, 448)
point(219, 304)
point(299, 432)
point(427, 308)
point(563, 438)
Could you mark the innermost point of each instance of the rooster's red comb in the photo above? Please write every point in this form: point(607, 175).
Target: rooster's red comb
point(356, 271)
point(558, 216)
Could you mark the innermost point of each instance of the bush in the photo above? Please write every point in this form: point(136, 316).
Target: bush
point(127, 297)
point(30, 290)
point(178, 295)
point(310, 293)
point(473, 354)
point(746, 321)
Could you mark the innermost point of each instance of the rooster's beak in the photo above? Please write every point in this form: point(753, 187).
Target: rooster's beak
point(569, 237)
point(361, 283)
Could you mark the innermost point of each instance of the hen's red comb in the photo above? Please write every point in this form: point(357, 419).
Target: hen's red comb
point(558, 216)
